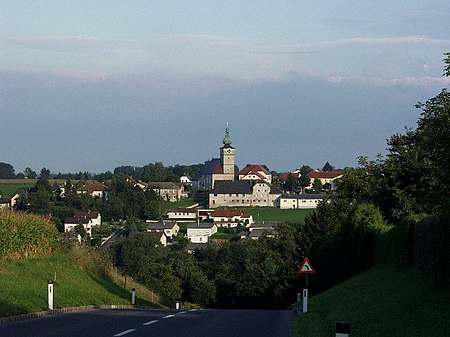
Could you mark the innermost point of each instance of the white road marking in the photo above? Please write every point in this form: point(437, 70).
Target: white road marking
point(182, 312)
point(124, 332)
point(169, 316)
point(150, 322)
point(193, 310)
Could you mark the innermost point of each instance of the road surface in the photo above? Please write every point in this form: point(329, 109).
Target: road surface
point(160, 323)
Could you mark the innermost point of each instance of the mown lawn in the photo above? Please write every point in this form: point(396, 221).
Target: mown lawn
point(384, 301)
point(273, 214)
point(166, 205)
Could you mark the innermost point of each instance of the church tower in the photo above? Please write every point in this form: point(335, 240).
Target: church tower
point(227, 156)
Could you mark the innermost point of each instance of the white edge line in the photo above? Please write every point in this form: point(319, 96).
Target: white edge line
point(150, 322)
point(124, 332)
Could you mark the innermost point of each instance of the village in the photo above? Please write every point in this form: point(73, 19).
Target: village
point(222, 194)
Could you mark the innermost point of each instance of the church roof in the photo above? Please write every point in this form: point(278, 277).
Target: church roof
point(213, 166)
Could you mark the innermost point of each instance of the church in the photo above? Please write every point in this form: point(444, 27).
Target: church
point(252, 188)
point(218, 168)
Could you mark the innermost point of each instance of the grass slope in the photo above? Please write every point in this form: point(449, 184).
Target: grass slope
point(384, 301)
point(24, 285)
point(273, 214)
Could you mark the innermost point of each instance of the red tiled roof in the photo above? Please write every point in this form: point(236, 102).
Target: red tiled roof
point(93, 188)
point(253, 168)
point(324, 174)
point(285, 176)
point(227, 213)
point(88, 215)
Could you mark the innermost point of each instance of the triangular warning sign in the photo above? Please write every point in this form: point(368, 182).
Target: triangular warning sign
point(306, 267)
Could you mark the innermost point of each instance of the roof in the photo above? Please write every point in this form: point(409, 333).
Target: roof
point(164, 185)
point(257, 233)
point(75, 220)
point(259, 225)
point(201, 225)
point(160, 226)
point(304, 196)
point(228, 213)
point(240, 187)
point(89, 188)
point(324, 174)
point(88, 214)
point(285, 176)
point(213, 166)
point(254, 168)
point(5, 201)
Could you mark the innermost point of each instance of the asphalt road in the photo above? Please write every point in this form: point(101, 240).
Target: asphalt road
point(161, 323)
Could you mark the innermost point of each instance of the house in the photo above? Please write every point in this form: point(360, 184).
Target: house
point(168, 191)
point(255, 172)
point(327, 178)
point(5, 203)
point(95, 217)
point(304, 201)
point(231, 218)
point(186, 180)
point(96, 190)
point(170, 229)
point(136, 183)
point(217, 169)
point(243, 193)
point(200, 232)
point(88, 220)
point(258, 230)
point(182, 213)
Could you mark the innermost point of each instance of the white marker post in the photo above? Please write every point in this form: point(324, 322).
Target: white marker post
point(342, 329)
point(50, 295)
point(133, 296)
point(306, 268)
point(305, 301)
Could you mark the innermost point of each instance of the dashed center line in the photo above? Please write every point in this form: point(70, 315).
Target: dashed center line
point(150, 322)
point(124, 332)
point(169, 316)
point(182, 312)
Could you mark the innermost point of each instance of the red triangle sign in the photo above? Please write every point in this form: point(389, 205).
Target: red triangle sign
point(306, 267)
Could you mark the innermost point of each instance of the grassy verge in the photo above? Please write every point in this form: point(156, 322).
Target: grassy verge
point(384, 301)
point(24, 285)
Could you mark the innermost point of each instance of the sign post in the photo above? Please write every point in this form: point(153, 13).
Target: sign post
point(306, 268)
point(133, 296)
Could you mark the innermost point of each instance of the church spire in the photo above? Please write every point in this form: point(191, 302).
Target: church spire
point(227, 140)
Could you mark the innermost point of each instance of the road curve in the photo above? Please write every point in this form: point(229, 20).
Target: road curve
point(161, 323)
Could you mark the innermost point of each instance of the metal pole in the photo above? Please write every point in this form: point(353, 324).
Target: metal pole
point(133, 296)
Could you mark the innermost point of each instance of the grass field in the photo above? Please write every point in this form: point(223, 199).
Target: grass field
point(273, 214)
point(24, 285)
point(7, 190)
point(166, 205)
point(384, 301)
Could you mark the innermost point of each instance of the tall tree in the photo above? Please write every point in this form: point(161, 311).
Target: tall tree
point(6, 171)
point(29, 173)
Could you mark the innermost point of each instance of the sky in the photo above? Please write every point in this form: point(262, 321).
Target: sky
point(93, 85)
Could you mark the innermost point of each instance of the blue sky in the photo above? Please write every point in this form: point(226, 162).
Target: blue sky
point(92, 85)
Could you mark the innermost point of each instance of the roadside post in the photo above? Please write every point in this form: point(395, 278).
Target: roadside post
point(50, 295)
point(306, 268)
point(133, 296)
point(342, 329)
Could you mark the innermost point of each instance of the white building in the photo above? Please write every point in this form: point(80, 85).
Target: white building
point(200, 233)
point(305, 201)
point(170, 229)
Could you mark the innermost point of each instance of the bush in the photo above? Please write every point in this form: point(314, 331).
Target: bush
point(23, 235)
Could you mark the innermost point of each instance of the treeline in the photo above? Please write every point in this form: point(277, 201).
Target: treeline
point(147, 173)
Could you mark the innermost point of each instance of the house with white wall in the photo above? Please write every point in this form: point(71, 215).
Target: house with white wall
point(304, 201)
point(200, 232)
